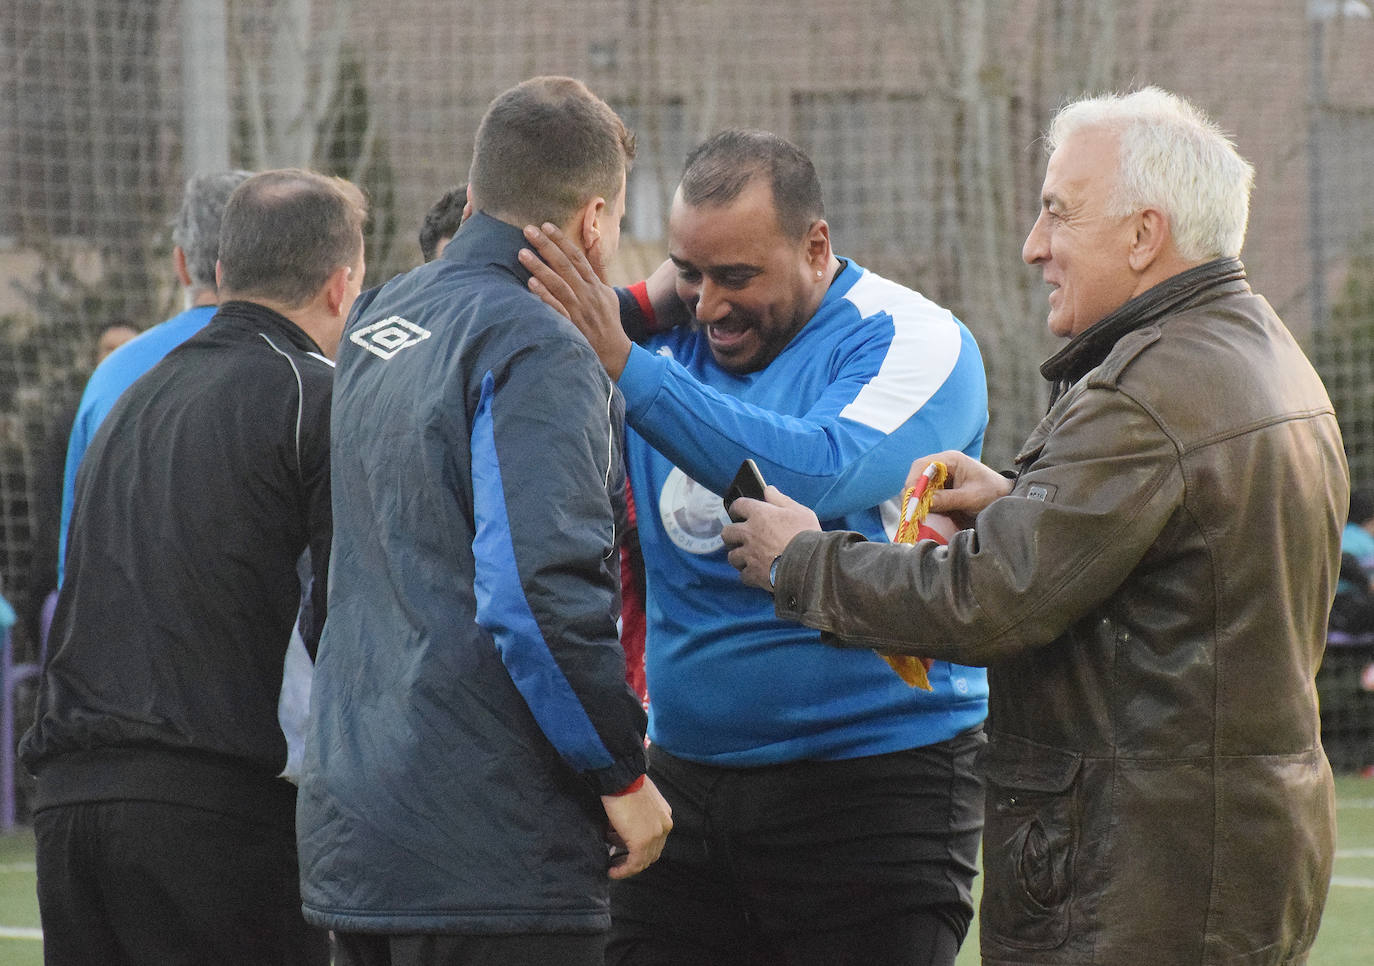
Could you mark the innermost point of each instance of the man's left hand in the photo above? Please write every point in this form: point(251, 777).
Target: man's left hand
point(564, 279)
point(763, 533)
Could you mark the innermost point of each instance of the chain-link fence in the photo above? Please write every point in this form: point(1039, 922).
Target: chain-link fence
point(922, 116)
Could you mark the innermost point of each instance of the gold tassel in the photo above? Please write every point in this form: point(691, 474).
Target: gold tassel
point(911, 528)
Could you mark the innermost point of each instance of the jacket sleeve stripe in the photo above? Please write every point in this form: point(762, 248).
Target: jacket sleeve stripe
point(504, 611)
point(300, 398)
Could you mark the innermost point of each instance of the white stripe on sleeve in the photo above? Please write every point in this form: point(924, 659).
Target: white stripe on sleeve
point(925, 347)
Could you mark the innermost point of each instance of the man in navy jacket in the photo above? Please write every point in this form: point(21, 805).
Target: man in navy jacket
point(474, 772)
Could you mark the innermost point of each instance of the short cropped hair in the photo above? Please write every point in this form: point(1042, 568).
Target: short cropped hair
point(545, 148)
point(1173, 157)
point(722, 166)
point(442, 220)
point(196, 229)
point(286, 231)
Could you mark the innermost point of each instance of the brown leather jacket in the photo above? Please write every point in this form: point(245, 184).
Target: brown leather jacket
point(1151, 601)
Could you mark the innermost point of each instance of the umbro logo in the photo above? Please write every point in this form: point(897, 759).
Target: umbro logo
point(389, 336)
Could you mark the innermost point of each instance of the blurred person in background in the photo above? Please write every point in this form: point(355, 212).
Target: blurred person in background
point(442, 221)
point(111, 338)
point(1357, 539)
point(164, 831)
point(1352, 612)
point(1149, 590)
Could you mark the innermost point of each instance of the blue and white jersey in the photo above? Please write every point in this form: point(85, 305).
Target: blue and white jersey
point(878, 377)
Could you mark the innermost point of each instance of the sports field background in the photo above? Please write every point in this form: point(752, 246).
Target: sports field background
point(1346, 939)
point(923, 118)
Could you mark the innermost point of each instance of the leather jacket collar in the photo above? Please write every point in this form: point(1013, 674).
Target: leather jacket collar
point(1089, 348)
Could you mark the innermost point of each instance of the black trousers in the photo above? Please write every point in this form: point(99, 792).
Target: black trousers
point(553, 949)
point(153, 884)
point(864, 861)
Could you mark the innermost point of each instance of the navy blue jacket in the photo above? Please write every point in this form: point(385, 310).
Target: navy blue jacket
point(470, 703)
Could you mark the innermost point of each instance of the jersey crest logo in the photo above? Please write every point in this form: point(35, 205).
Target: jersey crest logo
point(692, 515)
point(386, 338)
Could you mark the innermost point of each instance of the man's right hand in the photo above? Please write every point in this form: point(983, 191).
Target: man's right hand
point(640, 823)
point(969, 488)
point(563, 278)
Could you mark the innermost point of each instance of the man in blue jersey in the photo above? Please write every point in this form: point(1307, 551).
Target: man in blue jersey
point(195, 246)
point(824, 811)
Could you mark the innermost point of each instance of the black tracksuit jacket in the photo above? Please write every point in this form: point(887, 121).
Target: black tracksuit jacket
point(199, 493)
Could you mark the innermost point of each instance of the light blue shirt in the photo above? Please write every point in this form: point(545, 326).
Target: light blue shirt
point(120, 370)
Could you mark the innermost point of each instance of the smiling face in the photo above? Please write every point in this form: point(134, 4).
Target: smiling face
point(749, 287)
point(1083, 252)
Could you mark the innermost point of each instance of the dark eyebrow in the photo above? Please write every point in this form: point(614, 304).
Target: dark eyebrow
point(733, 268)
point(738, 268)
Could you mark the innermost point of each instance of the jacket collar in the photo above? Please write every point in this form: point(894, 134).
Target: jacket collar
point(484, 240)
point(1089, 348)
point(259, 317)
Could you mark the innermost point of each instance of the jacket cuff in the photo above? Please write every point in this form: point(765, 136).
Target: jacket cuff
point(631, 788)
point(618, 778)
point(636, 311)
point(793, 578)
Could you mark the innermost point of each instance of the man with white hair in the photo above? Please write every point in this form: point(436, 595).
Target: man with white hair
point(1149, 590)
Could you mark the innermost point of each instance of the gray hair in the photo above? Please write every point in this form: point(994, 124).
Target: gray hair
point(196, 229)
point(1172, 157)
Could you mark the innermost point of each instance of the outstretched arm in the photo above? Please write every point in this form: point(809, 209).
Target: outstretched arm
point(890, 397)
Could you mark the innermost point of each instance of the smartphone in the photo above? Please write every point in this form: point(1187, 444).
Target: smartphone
point(748, 482)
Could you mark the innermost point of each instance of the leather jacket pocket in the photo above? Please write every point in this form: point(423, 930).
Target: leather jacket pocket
point(1030, 841)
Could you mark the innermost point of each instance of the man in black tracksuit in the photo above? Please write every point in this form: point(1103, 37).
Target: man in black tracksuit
point(164, 832)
